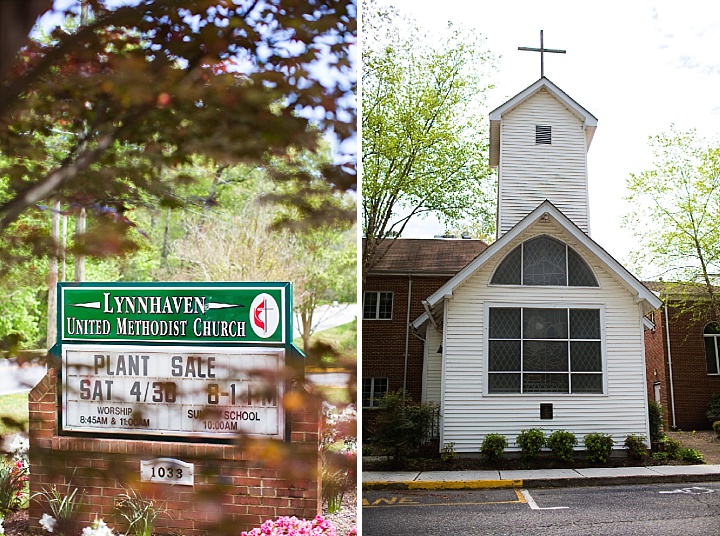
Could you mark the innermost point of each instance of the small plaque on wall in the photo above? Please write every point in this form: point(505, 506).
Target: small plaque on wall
point(546, 411)
point(167, 471)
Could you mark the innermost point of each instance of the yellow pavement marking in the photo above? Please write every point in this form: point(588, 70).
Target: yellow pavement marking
point(383, 502)
point(466, 484)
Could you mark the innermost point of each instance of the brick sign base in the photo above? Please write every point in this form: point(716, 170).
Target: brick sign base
point(236, 487)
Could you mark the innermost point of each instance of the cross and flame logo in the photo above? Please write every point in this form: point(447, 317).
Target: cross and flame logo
point(264, 315)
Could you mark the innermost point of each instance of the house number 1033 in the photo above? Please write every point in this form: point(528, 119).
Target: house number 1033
point(167, 471)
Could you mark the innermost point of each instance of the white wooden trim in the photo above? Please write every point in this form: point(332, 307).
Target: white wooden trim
point(442, 384)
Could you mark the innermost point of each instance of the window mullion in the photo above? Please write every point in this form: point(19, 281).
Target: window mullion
point(567, 277)
point(522, 348)
point(569, 357)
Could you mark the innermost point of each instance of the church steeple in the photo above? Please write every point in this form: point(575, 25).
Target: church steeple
point(539, 141)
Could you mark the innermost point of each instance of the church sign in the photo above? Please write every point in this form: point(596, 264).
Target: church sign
point(174, 360)
point(173, 313)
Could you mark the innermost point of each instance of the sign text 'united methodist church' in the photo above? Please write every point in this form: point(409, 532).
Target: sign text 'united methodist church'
point(186, 315)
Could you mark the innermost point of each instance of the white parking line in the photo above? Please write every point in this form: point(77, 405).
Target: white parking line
point(531, 502)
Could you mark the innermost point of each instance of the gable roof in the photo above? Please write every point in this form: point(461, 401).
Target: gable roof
point(426, 256)
point(589, 120)
point(546, 209)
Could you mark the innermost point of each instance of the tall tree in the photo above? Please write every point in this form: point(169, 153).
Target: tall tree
point(143, 88)
point(424, 144)
point(676, 210)
point(274, 242)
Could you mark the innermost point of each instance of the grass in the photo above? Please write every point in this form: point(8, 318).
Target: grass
point(13, 413)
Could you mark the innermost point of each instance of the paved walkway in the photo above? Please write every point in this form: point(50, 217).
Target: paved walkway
point(539, 478)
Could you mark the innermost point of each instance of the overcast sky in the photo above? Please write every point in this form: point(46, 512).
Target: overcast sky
point(638, 66)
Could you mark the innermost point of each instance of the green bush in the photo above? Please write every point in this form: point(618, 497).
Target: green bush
point(713, 411)
point(493, 447)
point(402, 426)
point(448, 452)
point(671, 447)
point(660, 456)
point(691, 456)
point(637, 449)
point(656, 424)
point(598, 447)
point(562, 444)
point(716, 428)
point(530, 442)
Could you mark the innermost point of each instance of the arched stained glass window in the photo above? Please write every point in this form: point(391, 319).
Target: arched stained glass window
point(544, 261)
point(711, 334)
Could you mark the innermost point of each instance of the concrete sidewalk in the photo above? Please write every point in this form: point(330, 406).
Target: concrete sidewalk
point(540, 478)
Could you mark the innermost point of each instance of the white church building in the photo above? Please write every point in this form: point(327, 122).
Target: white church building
point(543, 329)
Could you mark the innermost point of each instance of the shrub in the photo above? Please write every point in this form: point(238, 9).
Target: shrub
point(713, 411)
point(448, 452)
point(13, 475)
point(493, 447)
point(691, 456)
point(656, 423)
point(292, 526)
point(562, 444)
point(637, 449)
point(716, 428)
point(530, 442)
point(660, 456)
point(402, 426)
point(598, 447)
point(671, 447)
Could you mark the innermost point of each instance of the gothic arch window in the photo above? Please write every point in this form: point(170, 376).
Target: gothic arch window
point(544, 261)
point(711, 334)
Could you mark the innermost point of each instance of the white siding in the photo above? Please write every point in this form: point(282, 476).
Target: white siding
point(531, 173)
point(469, 414)
point(433, 366)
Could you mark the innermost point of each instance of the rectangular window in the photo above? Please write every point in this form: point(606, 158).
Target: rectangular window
point(712, 355)
point(377, 305)
point(544, 350)
point(543, 135)
point(373, 389)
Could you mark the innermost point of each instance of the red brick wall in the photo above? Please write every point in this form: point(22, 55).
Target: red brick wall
point(383, 341)
point(655, 363)
point(237, 487)
point(692, 384)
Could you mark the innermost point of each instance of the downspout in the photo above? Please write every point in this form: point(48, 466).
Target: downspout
point(407, 336)
point(672, 389)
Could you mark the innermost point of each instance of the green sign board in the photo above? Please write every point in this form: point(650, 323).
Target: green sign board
point(177, 313)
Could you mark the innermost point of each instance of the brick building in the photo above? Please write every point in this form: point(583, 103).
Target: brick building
point(409, 271)
point(683, 365)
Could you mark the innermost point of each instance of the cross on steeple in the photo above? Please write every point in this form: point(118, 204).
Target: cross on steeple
point(542, 51)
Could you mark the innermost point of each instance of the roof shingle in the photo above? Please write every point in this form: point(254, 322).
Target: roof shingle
point(428, 256)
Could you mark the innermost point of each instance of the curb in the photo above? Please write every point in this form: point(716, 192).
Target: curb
point(540, 482)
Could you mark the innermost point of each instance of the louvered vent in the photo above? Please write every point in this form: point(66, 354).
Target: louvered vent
point(543, 134)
